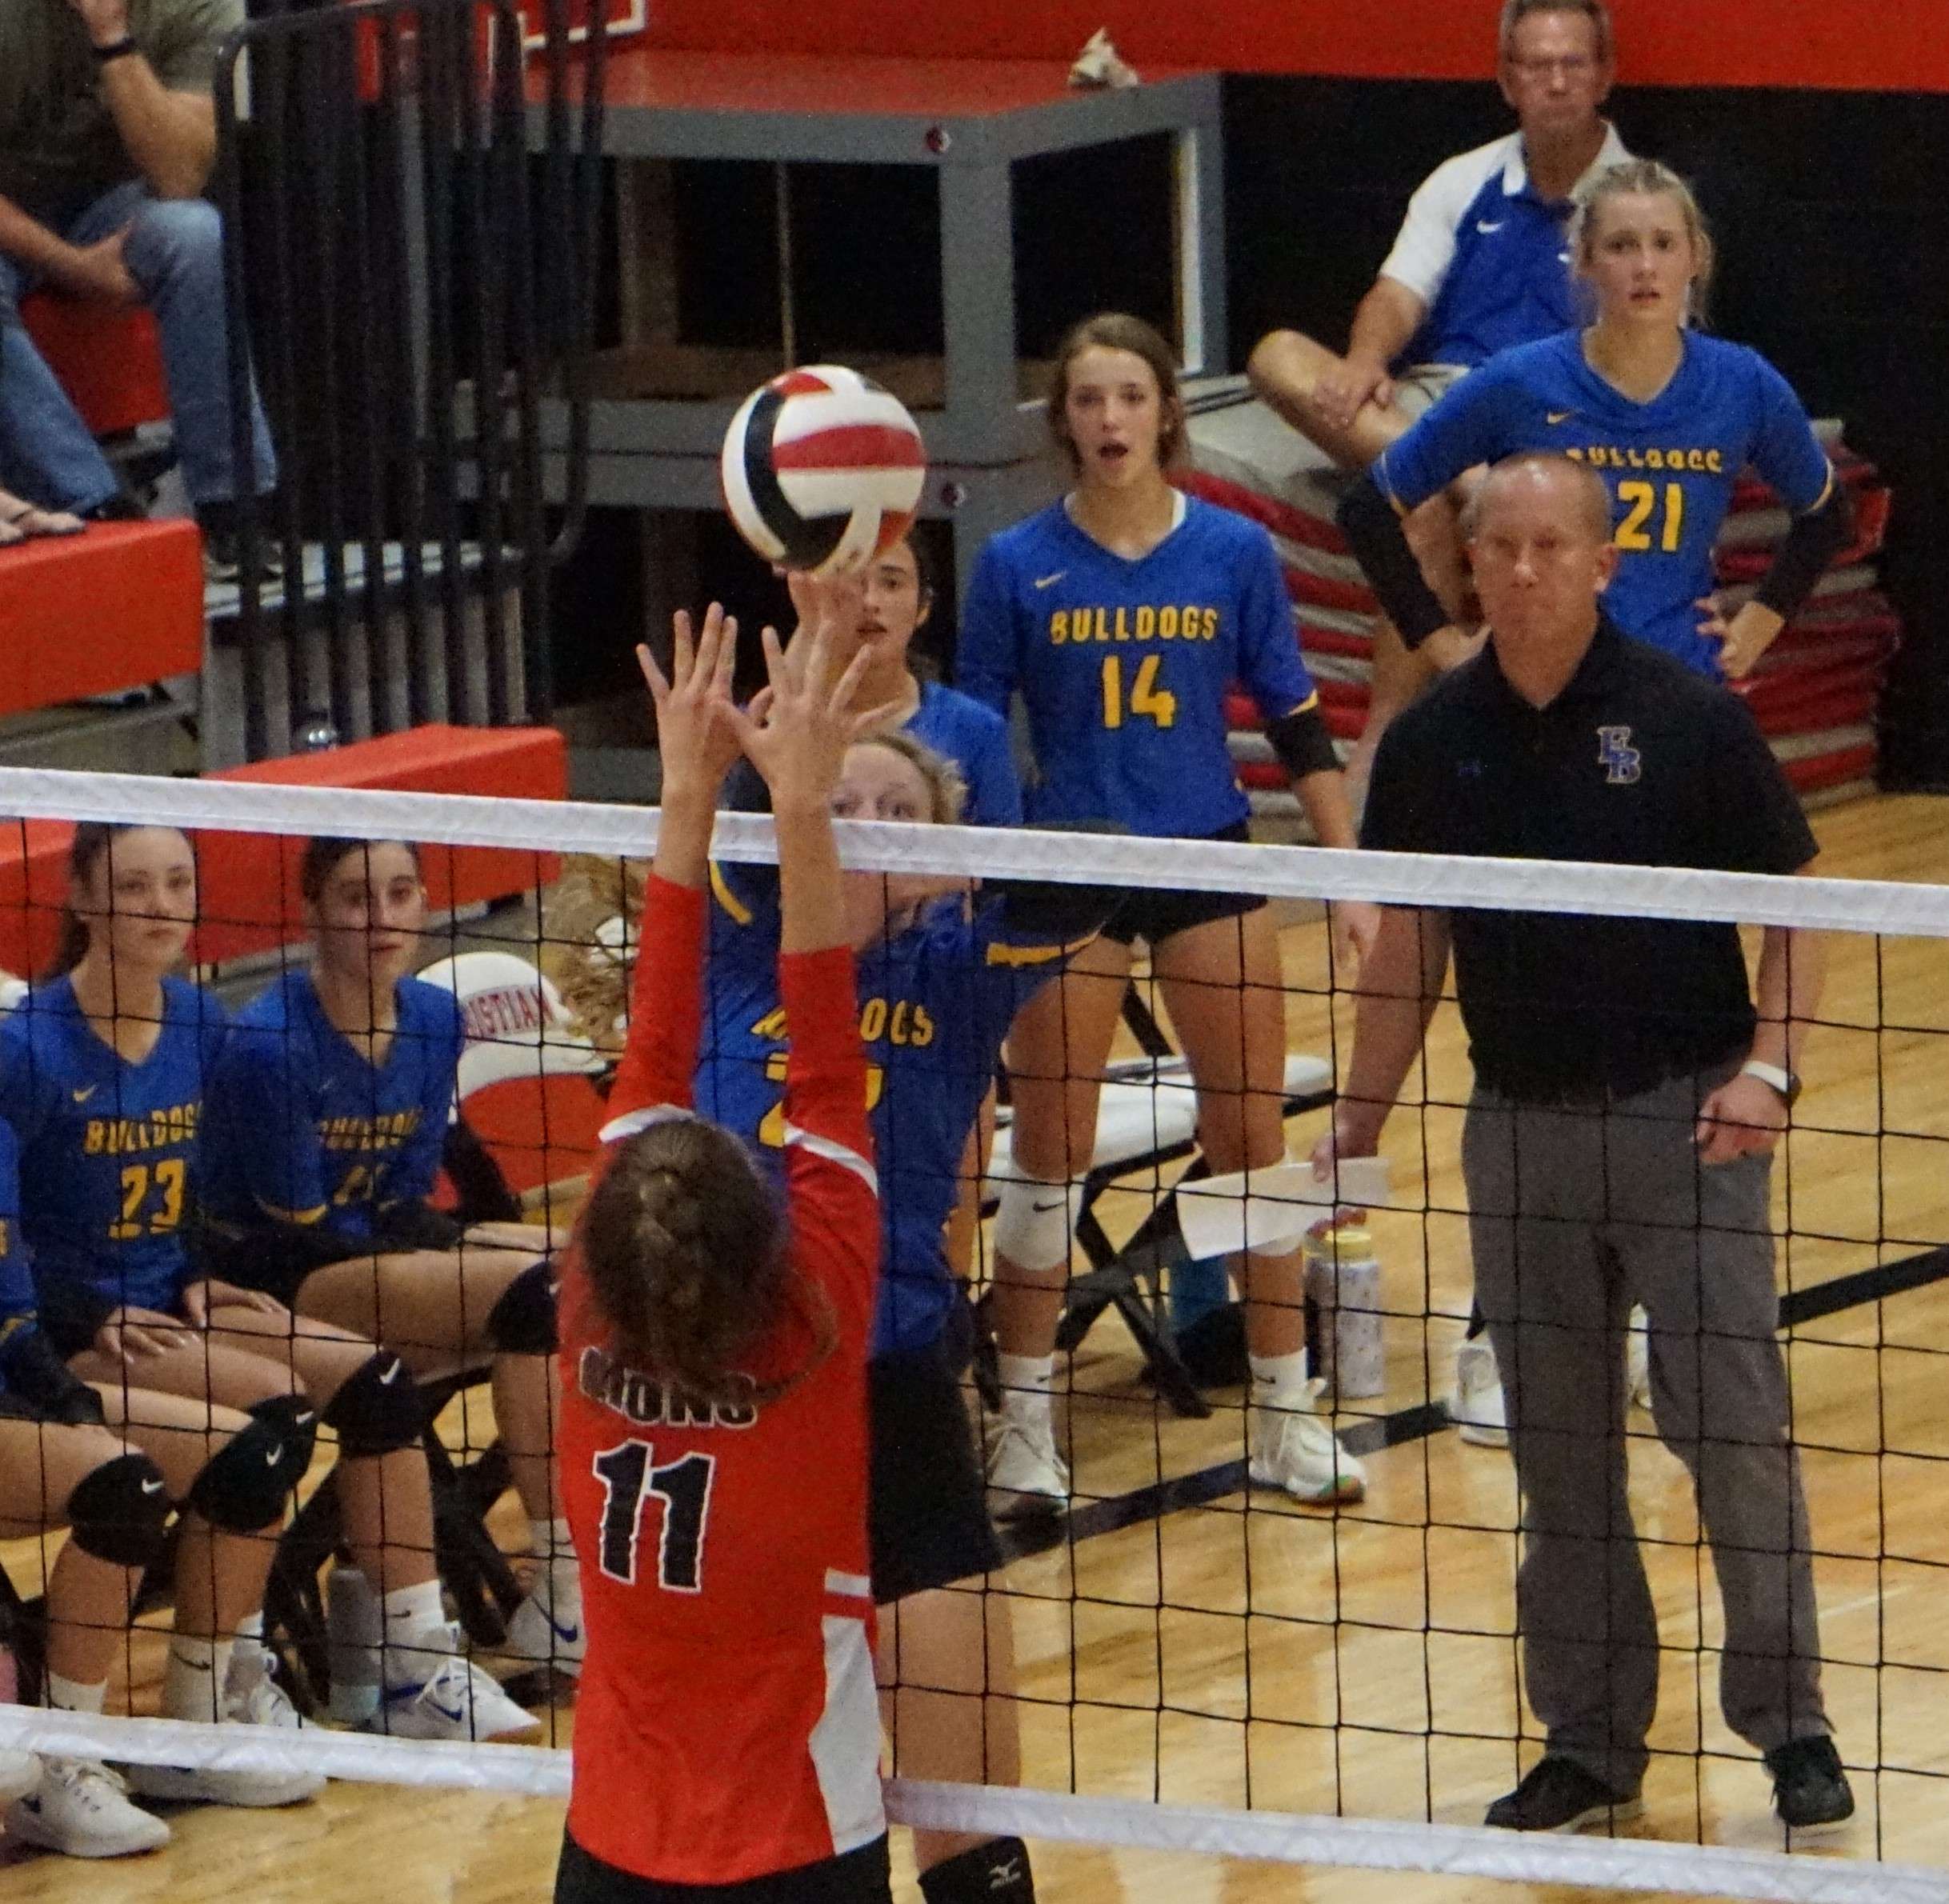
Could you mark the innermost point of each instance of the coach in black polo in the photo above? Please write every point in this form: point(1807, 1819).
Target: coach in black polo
point(1619, 1141)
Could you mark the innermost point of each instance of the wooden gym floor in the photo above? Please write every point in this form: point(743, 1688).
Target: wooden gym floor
point(1377, 1645)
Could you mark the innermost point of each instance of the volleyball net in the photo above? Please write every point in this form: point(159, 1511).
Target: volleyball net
point(1202, 1665)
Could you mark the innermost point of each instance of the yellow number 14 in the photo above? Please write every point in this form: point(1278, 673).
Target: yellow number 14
point(1147, 700)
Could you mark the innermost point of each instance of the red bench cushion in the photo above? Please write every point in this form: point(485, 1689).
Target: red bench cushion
point(109, 362)
point(117, 607)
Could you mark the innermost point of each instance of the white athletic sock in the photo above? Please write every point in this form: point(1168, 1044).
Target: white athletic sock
point(1028, 1384)
point(251, 1625)
point(193, 1680)
point(1279, 1382)
point(67, 1695)
point(557, 1581)
point(409, 1613)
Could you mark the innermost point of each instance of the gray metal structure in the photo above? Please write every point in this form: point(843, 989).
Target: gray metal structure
point(987, 445)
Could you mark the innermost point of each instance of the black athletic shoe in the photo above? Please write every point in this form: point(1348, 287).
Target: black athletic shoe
point(1560, 1795)
point(223, 558)
point(1809, 1786)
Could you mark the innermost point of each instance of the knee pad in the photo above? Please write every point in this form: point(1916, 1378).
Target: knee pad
point(523, 1321)
point(1034, 1223)
point(378, 1409)
point(244, 1486)
point(118, 1511)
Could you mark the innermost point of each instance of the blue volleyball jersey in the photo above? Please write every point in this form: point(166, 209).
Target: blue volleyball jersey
point(17, 1299)
point(1124, 666)
point(109, 1150)
point(934, 1005)
point(1670, 464)
point(975, 739)
point(305, 1129)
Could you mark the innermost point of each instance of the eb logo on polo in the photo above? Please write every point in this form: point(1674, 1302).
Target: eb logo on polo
point(1622, 762)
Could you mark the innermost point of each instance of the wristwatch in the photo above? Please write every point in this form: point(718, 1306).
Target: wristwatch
point(1787, 1083)
point(115, 50)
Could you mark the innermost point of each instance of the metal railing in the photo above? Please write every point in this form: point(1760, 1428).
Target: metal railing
point(411, 201)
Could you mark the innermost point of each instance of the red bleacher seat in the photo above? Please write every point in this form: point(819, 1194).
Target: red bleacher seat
point(248, 896)
point(117, 607)
point(109, 361)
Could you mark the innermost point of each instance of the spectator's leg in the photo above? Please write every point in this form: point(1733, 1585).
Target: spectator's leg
point(1556, 1306)
point(1285, 368)
point(47, 453)
point(175, 252)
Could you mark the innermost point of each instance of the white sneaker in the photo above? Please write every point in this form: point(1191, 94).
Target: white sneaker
point(1638, 1360)
point(1477, 1408)
point(251, 1697)
point(1026, 1476)
point(20, 1772)
point(454, 1698)
point(1295, 1448)
point(534, 1635)
point(79, 1810)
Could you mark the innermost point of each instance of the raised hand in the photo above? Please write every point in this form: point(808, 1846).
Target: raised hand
point(695, 742)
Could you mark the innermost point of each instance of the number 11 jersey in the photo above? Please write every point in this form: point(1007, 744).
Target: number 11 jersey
point(1124, 665)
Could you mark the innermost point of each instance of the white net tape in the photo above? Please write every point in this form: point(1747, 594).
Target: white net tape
point(1879, 906)
point(548, 828)
point(1445, 1850)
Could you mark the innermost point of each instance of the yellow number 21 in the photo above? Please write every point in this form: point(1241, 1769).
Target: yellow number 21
point(1148, 699)
point(1642, 500)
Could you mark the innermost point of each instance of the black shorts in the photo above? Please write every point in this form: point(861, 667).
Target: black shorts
point(928, 1511)
point(1154, 915)
point(277, 1261)
point(277, 1258)
point(856, 1877)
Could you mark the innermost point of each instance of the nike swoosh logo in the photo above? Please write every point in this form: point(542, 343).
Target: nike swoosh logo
point(392, 1374)
point(568, 1635)
point(453, 1714)
point(81, 1096)
point(1050, 581)
point(1482, 225)
point(1555, 417)
point(274, 1456)
point(1043, 1209)
point(152, 1487)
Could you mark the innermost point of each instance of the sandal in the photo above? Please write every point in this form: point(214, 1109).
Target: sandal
point(30, 523)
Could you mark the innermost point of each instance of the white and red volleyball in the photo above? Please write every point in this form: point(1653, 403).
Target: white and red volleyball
point(821, 470)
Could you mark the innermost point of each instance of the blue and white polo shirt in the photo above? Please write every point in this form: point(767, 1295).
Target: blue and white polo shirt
point(1488, 255)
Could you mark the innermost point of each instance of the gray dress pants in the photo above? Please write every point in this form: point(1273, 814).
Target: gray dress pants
point(1577, 1212)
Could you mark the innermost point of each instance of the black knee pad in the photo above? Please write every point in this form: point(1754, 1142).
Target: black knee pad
point(116, 1511)
point(244, 1486)
point(378, 1409)
point(523, 1321)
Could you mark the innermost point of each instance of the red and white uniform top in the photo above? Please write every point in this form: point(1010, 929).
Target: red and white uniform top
point(727, 1726)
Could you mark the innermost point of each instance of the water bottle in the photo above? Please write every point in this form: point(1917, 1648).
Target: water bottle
point(1343, 1283)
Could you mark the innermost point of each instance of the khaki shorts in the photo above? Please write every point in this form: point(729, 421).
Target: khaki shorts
point(1421, 387)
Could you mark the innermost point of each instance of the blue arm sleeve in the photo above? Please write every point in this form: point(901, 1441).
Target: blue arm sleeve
point(1470, 425)
point(995, 788)
point(1269, 661)
point(16, 1297)
point(272, 1150)
point(985, 654)
point(1786, 451)
point(411, 1179)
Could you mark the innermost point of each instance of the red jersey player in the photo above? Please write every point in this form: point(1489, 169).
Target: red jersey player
point(713, 1435)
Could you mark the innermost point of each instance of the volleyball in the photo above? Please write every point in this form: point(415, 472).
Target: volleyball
point(821, 470)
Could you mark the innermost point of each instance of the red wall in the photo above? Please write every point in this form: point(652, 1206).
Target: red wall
point(1900, 45)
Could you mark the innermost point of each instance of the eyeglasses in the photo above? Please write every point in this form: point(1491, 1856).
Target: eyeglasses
point(1575, 66)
